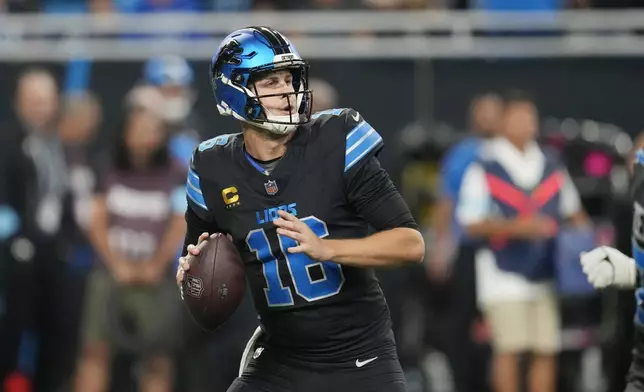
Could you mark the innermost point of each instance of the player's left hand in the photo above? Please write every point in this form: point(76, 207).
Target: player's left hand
point(307, 241)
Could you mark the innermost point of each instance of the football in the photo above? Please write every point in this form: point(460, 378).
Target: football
point(214, 285)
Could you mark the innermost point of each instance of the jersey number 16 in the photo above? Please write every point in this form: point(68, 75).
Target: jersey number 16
point(299, 265)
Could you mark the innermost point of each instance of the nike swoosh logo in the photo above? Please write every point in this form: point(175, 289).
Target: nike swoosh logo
point(360, 363)
point(356, 117)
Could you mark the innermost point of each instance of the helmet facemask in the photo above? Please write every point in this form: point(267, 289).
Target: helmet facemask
point(299, 102)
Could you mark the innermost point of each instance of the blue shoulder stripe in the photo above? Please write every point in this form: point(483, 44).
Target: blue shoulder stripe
point(360, 141)
point(334, 112)
point(193, 189)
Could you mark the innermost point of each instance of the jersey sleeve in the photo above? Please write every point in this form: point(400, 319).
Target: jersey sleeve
point(372, 194)
point(368, 188)
point(361, 142)
point(199, 218)
point(194, 193)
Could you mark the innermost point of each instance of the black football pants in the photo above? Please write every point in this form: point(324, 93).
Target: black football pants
point(267, 373)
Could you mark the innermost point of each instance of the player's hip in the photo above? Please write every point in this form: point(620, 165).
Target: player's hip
point(274, 371)
point(328, 336)
point(337, 352)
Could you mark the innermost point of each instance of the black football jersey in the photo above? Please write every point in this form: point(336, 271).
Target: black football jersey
point(637, 193)
point(315, 309)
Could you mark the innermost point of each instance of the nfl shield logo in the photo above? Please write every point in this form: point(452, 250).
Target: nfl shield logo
point(271, 187)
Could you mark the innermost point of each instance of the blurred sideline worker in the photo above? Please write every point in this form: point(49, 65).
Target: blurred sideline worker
point(173, 77)
point(36, 267)
point(450, 246)
point(77, 126)
point(137, 227)
point(515, 272)
point(17, 179)
point(606, 266)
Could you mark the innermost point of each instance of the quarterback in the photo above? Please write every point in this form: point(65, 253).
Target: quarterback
point(297, 193)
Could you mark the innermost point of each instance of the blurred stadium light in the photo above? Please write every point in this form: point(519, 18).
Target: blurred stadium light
point(320, 35)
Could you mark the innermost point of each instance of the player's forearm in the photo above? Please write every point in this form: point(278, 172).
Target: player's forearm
point(195, 226)
point(384, 249)
point(171, 242)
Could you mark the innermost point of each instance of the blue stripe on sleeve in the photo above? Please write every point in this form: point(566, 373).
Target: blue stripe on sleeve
point(193, 189)
point(360, 141)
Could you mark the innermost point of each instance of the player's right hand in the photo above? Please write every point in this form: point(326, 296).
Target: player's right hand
point(184, 261)
point(605, 266)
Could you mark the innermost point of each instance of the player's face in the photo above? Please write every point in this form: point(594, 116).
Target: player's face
point(279, 82)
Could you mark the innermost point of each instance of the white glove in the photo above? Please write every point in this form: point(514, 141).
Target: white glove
point(605, 266)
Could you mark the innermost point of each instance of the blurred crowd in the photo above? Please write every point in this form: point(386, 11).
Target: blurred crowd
point(152, 6)
point(91, 223)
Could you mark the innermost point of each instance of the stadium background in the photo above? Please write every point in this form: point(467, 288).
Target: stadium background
point(417, 96)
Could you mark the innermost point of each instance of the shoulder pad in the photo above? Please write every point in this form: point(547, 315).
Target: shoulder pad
point(361, 139)
point(220, 140)
point(328, 113)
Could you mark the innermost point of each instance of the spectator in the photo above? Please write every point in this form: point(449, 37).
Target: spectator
point(485, 114)
point(137, 227)
point(80, 117)
point(516, 270)
point(40, 245)
point(453, 252)
point(173, 77)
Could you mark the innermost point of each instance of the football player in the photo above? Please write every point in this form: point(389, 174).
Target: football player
point(297, 193)
point(605, 266)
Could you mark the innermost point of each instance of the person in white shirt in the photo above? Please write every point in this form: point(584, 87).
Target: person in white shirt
point(514, 198)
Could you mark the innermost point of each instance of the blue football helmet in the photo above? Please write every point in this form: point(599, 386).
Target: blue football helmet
point(247, 53)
